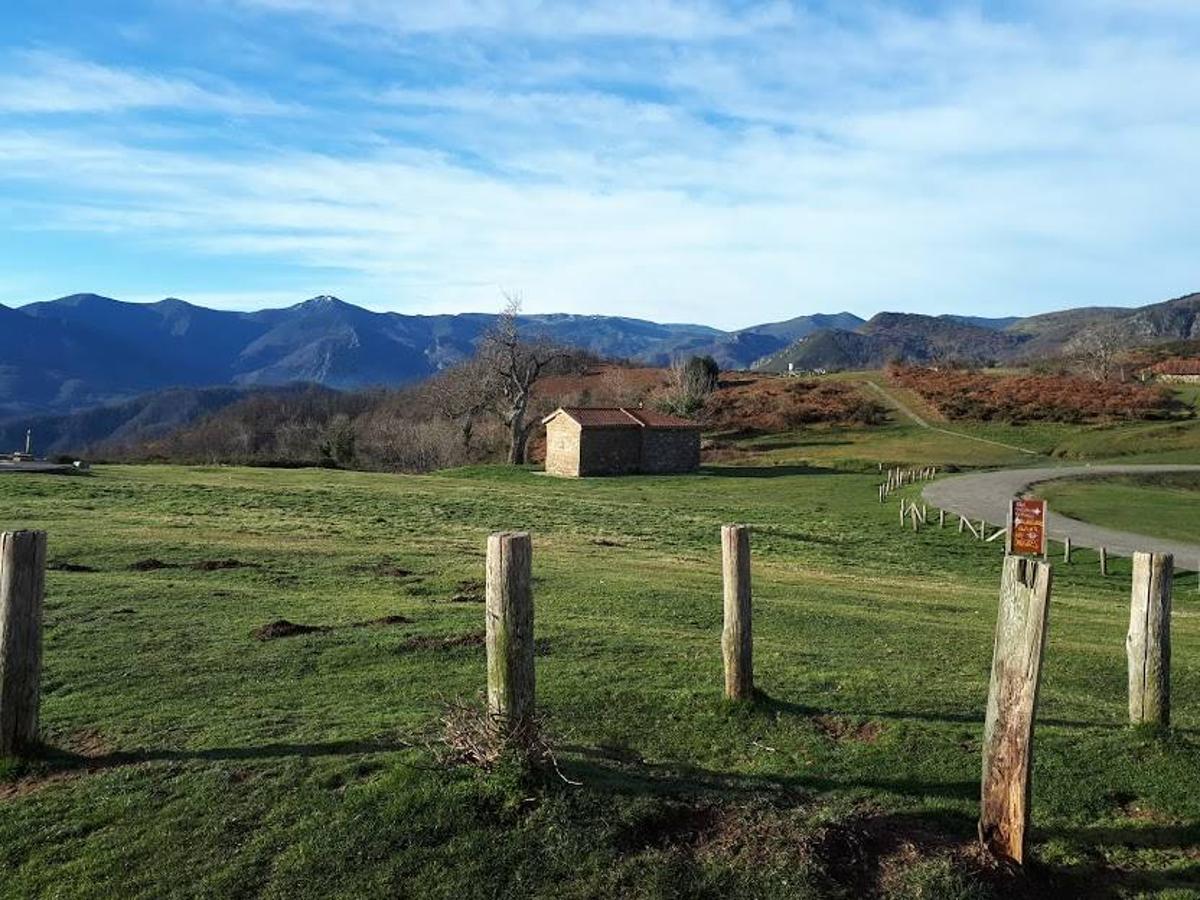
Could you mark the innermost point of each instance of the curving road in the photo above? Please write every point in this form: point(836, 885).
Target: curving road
point(986, 496)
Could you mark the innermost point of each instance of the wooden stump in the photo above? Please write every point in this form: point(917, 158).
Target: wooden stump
point(1148, 644)
point(1012, 705)
point(22, 591)
point(509, 632)
point(736, 637)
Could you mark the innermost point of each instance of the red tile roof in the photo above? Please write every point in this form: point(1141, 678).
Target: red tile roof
point(1177, 367)
point(652, 419)
point(620, 417)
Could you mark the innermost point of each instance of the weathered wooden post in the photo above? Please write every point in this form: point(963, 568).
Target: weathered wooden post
point(22, 590)
point(1011, 706)
point(1148, 644)
point(903, 503)
point(509, 633)
point(982, 528)
point(1103, 560)
point(737, 641)
point(941, 518)
point(1067, 549)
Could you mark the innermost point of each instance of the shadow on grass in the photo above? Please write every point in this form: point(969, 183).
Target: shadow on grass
point(765, 471)
point(780, 707)
point(55, 760)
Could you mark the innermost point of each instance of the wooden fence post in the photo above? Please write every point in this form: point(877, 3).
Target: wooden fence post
point(1103, 560)
point(22, 591)
point(737, 641)
point(1148, 644)
point(1012, 705)
point(1067, 549)
point(941, 518)
point(509, 632)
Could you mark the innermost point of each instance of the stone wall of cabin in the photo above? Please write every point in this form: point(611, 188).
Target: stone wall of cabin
point(562, 446)
point(610, 451)
point(670, 450)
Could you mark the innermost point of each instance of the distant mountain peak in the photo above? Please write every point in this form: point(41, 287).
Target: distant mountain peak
point(323, 301)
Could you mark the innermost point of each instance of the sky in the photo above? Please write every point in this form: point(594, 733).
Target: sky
point(727, 163)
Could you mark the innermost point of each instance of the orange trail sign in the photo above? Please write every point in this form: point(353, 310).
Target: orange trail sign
point(1027, 529)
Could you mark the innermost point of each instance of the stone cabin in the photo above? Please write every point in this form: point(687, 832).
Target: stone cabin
point(617, 441)
point(1181, 371)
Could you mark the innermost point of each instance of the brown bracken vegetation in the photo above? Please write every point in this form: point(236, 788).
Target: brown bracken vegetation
point(967, 394)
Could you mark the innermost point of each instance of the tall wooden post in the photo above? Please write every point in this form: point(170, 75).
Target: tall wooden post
point(1148, 644)
point(736, 637)
point(1012, 704)
point(22, 591)
point(509, 632)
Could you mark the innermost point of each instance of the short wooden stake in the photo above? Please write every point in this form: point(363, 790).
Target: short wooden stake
point(22, 592)
point(1012, 705)
point(982, 528)
point(509, 632)
point(1067, 549)
point(1148, 644)
point(961, 522)
point(903, 504)
point(941, 518)
point(736, 637)
point(1103, 560)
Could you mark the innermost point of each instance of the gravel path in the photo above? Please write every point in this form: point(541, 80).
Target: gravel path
point(986, 496)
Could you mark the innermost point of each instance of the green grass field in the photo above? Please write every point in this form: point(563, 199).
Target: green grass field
point(1165, 505)
point(187, 758)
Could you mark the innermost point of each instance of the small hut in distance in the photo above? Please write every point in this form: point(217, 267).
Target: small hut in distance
point(614, 440)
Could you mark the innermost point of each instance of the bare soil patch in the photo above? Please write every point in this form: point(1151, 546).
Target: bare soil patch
point(469, 591)
point(214, 565)
point(840, 729)
point(282, 628)
point(58, 565)
point(150, 564)
point(432, 642)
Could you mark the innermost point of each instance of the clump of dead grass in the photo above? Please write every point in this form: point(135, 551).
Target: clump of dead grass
point(470, 735)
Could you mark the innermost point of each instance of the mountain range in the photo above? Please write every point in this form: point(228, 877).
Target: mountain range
point(85, 350)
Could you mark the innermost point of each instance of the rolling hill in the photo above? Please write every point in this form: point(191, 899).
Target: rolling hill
point(85, 350)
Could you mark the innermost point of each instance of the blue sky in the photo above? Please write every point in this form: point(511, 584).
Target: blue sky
point(725, 163)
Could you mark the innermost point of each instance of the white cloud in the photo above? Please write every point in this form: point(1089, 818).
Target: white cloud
point(666, 19)
point(53, 83)
point(755, 167)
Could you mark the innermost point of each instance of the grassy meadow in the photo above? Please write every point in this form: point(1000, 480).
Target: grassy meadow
point(1164, 505)
point(187, 758)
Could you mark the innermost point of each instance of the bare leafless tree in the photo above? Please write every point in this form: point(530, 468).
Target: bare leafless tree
point(1097, 351)
point(463, 394)
point(515, 364)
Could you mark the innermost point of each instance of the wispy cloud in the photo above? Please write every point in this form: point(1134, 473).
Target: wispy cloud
point(723, 163)
point(46, 82)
